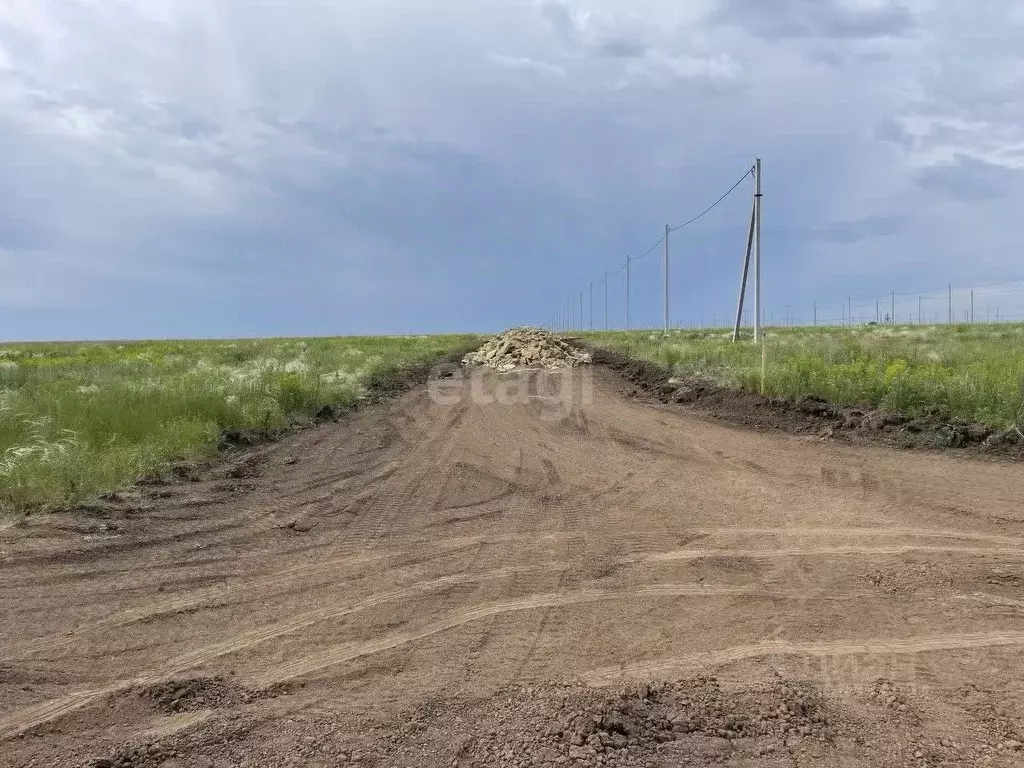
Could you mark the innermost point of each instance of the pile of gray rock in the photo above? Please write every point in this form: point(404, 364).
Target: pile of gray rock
point(520, 348)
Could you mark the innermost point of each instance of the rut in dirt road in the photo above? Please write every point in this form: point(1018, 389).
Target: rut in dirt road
point(478, 569)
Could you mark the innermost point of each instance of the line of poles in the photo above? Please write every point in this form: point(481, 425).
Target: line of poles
point(889, 310)
point(570, 316)
point(967, 306)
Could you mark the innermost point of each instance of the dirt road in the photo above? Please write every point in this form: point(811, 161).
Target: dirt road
point(477, 583)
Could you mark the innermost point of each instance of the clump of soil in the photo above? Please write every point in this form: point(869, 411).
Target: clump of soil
point(195, 694)
point(656, 724)
point(810, 414)
point(520, 348)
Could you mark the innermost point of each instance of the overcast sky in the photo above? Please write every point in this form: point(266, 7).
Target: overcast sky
point(224, 168)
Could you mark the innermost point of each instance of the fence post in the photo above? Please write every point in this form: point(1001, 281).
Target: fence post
point(894, 307)
point(950, 303)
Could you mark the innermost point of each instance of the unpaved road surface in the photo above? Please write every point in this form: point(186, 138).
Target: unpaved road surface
point(475, 583)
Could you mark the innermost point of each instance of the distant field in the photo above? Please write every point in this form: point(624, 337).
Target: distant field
point(974, 372)
point(81, 418)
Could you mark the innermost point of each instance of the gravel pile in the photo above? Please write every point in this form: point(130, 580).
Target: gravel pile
point(527, 348)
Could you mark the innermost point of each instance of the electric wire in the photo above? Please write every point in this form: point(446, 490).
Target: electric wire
point(715, 204)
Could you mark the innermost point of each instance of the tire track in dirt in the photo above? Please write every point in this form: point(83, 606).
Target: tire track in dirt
point(705, 661)
point(341, 654)
point(992, 601)
point(841, 550)
point(334, 482)
point(198, 599)
point(621, 512)
point(421, 481)
point(866, 532)
point(33, 717)
point(535, 482)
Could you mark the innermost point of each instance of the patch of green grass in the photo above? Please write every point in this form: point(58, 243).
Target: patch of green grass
point(77, 419)
point(972, 372)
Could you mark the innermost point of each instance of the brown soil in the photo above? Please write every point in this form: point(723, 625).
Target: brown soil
point(480, 583)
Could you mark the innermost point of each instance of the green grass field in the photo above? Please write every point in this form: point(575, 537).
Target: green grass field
point(973, 372)
point(81, 418)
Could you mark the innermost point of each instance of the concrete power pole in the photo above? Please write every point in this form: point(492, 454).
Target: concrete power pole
point(757, 250)
point(606, 299)
point(627, 293)
point(743, 278)
point(591, 305)
point(667, 231)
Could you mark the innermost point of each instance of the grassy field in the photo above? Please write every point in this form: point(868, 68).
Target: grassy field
point(81, 418)
point(973, 372)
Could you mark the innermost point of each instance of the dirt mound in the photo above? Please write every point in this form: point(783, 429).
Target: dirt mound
point(195, 694)
point(650, 724)
point(527, 348)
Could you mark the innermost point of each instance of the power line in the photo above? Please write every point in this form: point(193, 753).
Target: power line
point(714, 204)
point(650, 250)
point(624, 267)
point(936, 293)
point(703, 213)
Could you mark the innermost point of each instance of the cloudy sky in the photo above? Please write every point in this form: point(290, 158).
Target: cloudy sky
point(224, 167)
